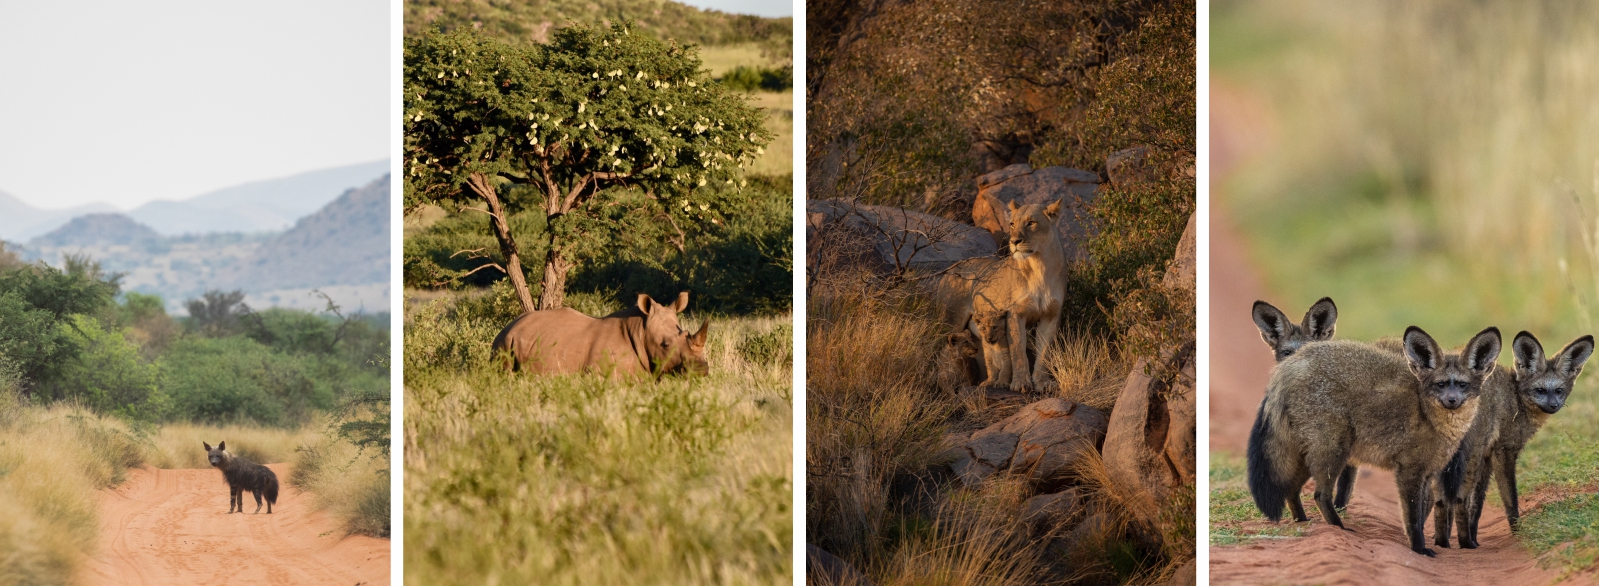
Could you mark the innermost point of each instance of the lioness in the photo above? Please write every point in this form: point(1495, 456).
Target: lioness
point(1029, 285)
point(641, 339)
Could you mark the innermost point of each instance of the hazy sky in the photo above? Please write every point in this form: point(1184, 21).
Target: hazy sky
point(125, 102)
point(756, 7)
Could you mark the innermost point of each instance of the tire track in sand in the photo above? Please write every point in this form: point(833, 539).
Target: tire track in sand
point(171, 527)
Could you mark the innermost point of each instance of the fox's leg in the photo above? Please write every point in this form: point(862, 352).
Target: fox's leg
point(1296, 504)
point(1326, 478)
point(1415, 496)
point(1505, 471)
point(1473, 508)
point(1443, 514)
point(1346, 486)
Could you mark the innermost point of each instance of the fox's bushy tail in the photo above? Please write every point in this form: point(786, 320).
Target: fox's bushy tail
point(1270, 493)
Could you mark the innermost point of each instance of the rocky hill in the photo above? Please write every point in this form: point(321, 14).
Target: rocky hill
point(20, 221)
point(97, 230)
point(258, 206)
point(344, 243)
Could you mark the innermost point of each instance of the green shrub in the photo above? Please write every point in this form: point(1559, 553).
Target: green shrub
point(228, 380)
point(748, 79)
point(107, 374)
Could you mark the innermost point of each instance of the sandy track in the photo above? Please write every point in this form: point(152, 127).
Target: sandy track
point(171, 527)
point(1376, 551)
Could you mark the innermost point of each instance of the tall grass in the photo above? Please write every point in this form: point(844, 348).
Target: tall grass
point(583, 480)
point(52, 462)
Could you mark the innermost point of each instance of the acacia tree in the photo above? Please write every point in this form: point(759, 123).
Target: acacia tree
point(548, 127)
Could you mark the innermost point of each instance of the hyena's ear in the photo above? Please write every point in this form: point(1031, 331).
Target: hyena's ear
point(207, 446)
point(1482, 351)
point(222, 445)
point(1421, 350)
point(1528, 353)
point(1320, 319)
point(1272, 323)
point(1570, 360)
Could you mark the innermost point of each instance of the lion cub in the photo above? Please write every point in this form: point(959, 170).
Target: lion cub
point(1334, 402)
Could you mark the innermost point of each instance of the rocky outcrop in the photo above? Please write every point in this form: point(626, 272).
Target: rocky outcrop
point(1149, 449)
point(1042, 442)
point(901, 238)
point(1022, 184)
point(1047, 511)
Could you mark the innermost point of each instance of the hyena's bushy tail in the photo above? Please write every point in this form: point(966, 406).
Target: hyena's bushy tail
point(270, 491)
point(1265, 482)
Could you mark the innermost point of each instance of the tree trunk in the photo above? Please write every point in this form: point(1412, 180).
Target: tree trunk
point(502, 233)
point(554, 294)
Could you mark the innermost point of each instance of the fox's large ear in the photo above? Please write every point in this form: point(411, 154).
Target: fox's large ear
point(1053, 211)
point(1482, 351)
point(222, 446)
point(1421, 350)
point(681, 303)
point(1272, 323)
point(645, 303)
point(1320, 319)
point(207, 446)
point(1570, 360)
point(1528, 353)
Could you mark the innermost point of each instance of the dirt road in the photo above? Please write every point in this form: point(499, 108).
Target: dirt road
point(1376, 552)
point(171, 527)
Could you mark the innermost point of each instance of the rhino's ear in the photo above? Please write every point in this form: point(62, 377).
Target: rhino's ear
point(207, 446)
point(704, 334)
point(682, 302)
point(645, 303)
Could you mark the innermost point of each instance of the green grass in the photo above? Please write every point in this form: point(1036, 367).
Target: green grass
point(1569, 528)
point(582, 480)
point(1232, 509)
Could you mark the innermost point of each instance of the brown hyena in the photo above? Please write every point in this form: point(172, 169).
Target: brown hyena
point(243, 475)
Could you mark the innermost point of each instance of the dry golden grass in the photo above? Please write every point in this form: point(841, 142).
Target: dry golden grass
point(350, 483)
point(1090, 370)
point(52, 462)
point(779, 156)
point(181, 445)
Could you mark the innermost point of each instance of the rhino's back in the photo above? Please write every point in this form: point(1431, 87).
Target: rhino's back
point(564, 341)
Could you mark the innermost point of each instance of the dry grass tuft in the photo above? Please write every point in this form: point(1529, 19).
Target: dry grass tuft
point(1090, 370)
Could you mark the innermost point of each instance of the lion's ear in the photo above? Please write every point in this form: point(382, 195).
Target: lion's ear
point(1053, 211)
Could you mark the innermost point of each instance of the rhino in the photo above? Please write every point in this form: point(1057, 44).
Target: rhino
point(642, 339)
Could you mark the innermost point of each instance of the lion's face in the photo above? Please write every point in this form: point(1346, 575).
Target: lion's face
point(1032, 227)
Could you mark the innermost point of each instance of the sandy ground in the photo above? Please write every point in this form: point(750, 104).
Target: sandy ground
point(1376, 551)
point(171, 527)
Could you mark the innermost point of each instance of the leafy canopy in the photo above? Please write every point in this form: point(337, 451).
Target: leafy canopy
point(593, 108)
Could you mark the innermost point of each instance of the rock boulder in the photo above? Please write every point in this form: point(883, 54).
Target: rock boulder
point(1042, 442)
point(1020, 183)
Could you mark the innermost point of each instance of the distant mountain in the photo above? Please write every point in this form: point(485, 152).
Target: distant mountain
point(20, 221)
point(273, 204)
point(97, 230)
point(344, 243)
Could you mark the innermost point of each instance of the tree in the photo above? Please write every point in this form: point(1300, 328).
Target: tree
point(549, 127)
point(37, 303)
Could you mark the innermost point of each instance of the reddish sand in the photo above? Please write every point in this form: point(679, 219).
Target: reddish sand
point(171, 527)
point(1376, 551)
